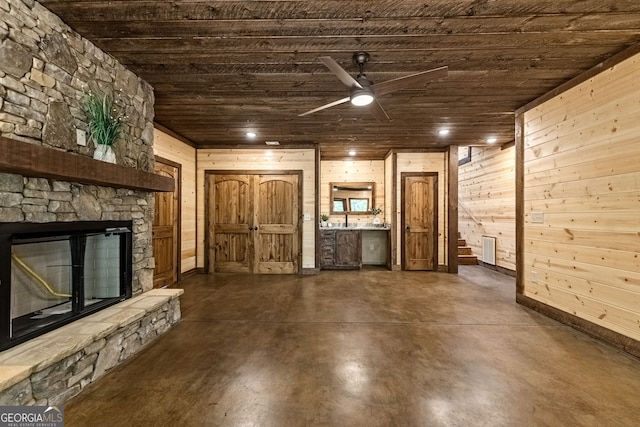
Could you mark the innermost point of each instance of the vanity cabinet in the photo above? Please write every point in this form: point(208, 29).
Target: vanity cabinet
point(340, 249)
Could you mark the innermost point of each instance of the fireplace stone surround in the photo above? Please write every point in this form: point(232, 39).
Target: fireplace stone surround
point(45, 68)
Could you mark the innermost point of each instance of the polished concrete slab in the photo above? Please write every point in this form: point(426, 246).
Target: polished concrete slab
point(369, 348)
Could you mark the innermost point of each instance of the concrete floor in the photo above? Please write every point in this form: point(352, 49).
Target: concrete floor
point(370, 348)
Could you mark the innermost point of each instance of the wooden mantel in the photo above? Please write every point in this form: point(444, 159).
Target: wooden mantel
point(34, 160)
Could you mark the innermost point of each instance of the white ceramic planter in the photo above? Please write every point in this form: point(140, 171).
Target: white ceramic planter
point(104, 153)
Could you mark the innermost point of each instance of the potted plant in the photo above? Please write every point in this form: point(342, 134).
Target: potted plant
point(106, 122)
point(375, 212)
point(324, 218)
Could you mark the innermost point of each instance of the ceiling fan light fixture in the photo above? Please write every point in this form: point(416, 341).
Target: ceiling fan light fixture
point(361, 97)
point(362, 91)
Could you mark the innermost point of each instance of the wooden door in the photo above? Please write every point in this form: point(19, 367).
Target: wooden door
point(165, 229)
point(230, 223)
point(275, 230)
point(254, 223)
point(420, 221)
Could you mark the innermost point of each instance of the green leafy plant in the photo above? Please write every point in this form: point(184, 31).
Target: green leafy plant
point(376, 211)
point(104, 117)
point(324, 217)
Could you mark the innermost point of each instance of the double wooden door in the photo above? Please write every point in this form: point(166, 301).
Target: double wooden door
point(253, 223)
point(420, 221)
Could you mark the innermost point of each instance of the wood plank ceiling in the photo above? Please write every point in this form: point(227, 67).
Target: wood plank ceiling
point(222, 68)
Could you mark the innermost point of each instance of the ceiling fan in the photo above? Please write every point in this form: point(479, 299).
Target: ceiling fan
point(363, 92)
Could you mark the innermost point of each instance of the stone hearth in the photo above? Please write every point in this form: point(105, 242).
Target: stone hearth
point(51, 369)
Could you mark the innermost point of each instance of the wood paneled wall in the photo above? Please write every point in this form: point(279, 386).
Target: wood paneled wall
point(424, 162)
point(582, 174)
point(177, 151)
point(389, 212)
point(352, 171)
point(255, 160)
point(486, 192)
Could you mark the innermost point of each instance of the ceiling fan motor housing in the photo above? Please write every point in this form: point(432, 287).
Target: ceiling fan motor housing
point(364, 81)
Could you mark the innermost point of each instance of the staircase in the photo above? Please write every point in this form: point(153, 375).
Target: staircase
point(465, 255)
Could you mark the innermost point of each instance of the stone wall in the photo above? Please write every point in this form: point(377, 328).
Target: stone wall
point(45, 68)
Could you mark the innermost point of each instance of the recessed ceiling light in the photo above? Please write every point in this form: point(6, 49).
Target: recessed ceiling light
point(443, 132)
point(492, 140)
point(251, 134)
point(352, 153)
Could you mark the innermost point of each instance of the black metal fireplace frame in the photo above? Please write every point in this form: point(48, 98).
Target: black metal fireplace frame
point(10, 232)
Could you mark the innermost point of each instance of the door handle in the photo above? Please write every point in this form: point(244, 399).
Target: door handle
point(408, 228)
point(255, 228)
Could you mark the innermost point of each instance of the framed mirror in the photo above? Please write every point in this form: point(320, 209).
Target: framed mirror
point(353, 198)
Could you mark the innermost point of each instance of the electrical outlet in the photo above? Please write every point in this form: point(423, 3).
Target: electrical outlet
point(534, 276)
point(507, 253)
point(372, 247)
point(536, 217)
point(307, 217)
point(81, 137)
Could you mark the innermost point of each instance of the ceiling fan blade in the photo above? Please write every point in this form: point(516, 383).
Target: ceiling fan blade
point(377, 111)
point(408, 82)
point(339, 72)
point(329, 105)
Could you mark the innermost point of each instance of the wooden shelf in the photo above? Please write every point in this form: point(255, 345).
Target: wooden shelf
point(33, 160)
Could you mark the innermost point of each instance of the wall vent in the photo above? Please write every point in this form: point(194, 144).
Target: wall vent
point(489, 250)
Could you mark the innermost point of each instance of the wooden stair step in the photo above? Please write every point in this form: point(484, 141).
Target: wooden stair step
point(462, 242)
point(467, 260)
point(465, 250)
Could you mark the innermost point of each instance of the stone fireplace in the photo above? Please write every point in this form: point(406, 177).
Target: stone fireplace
point(48, 181)
point(55, 273)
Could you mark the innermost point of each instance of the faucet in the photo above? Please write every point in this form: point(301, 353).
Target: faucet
point(346, 220)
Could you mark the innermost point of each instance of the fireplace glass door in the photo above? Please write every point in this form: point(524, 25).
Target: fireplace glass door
point(40, 284)
point(58, 277)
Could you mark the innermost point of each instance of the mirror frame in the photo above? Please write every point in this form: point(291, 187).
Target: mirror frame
point(352, 184)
